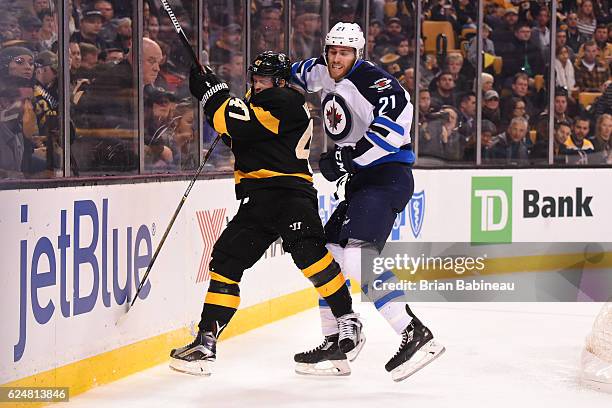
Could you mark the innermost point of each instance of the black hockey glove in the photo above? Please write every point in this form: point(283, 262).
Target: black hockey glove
point(336, 163)
point(206, 86)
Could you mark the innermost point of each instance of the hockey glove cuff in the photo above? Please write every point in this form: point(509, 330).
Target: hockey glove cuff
point(336, 163)
point(206, 86)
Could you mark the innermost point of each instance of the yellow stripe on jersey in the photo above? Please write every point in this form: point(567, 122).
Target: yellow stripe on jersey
point(263, 173)
point(332, 286)
point(221, 299)
point(219, 119)
point(219, 278)
point(266, 119)
point(318, 266)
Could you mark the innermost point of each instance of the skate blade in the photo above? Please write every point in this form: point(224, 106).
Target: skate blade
point(329, 368)
point(201, 368)
point(352, 355)
point(428, 353)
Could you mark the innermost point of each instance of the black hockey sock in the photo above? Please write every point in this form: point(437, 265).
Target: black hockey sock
point(325, 275)
point(221, 303)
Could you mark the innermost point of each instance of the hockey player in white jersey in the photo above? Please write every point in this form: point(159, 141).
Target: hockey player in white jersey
point(368, 115)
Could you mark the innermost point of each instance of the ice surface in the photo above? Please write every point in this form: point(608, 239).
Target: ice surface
point(514, 355)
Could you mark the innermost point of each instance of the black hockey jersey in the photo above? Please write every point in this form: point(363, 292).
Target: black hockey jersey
point(270, 138)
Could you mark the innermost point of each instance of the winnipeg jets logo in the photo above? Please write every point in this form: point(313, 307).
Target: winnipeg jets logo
point(333, 117)
point(381, 84)
point(337, 120)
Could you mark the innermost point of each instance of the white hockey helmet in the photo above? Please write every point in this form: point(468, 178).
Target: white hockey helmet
point(347, 35)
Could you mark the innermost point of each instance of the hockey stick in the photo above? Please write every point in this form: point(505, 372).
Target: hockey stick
point(170, 224)
point(182, 36)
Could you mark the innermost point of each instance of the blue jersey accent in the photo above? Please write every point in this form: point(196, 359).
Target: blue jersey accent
point(387, 298)
point(390, 124)
point(403, 156)
point(379, 141)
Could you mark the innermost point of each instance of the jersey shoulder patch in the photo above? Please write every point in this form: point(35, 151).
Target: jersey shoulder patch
point(373, 82)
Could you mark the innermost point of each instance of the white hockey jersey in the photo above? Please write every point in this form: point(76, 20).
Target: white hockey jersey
point(368, 110)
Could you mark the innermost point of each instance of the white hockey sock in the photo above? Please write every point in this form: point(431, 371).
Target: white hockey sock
point(391, 304)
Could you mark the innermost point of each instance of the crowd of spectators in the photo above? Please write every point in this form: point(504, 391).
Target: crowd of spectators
point(516, 64)
point(103, 76)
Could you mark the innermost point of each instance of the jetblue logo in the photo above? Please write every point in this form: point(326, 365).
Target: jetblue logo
point(46, 265)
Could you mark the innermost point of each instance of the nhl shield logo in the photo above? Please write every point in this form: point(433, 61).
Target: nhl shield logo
point(417, 212)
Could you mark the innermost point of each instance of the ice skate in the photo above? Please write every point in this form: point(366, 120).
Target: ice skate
point(327, 359)
point(417, 349)
point(351, 339)
point(196, 358)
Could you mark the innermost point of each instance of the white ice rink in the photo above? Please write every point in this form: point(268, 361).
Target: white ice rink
point(514, 355)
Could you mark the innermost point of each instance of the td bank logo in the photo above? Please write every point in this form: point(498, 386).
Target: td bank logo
point(491, 209)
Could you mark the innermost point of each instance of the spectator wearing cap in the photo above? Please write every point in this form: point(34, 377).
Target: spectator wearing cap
point(505, 32)
point(393, 30)
point(490, 108)
point(46, 105)
point(229, 42)
point(90, 25)
point(575, 38)
point(112, 55)
point(520, 54)
point(564, 69)
point(390, 63)
point(591, 73)
point(487, 45)
point(30, 32)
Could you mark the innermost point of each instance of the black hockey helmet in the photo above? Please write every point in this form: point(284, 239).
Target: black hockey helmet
point(272, 64)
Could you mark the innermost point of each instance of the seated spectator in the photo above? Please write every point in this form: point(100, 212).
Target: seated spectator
point(487, 45)
point(407, 81)
point(180, 137)
point(111, 55)
point(586, 18)
point(454, 64)
point(580, 137)
point(574, 37)
point(541, 33)
point(517, 109)
point(505, 33)
point(564, 69)
point(487, 82)
point(389, 63)
point(90, 26)
point(405, 57)
point(467, 115)
point(563, 132)
point(445, 91)
point(89, 60)
point(230, 41)
point(520, 54)
point(490, 108)
point(394, 30)
point(603, 104)
point(603, 131)
point(487, 144)
point(601, 39)
point(424, 105)
point(306, 39)
point(48, 30)
point(511, 145)
point(561, 41)
point(439, 137)
point(232, 72)
point(11, 135)
point(46, 108)
point(109, 30)
point(590, 72)
point(152, 27)
point(520, 90)
point(30, 32)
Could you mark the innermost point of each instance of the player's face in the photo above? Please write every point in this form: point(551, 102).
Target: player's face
point(340, 60)
point(261, 83)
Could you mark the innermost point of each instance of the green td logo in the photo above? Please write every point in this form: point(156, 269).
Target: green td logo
point(491, 209)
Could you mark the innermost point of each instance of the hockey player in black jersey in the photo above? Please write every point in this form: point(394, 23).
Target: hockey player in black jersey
point(269, 133)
